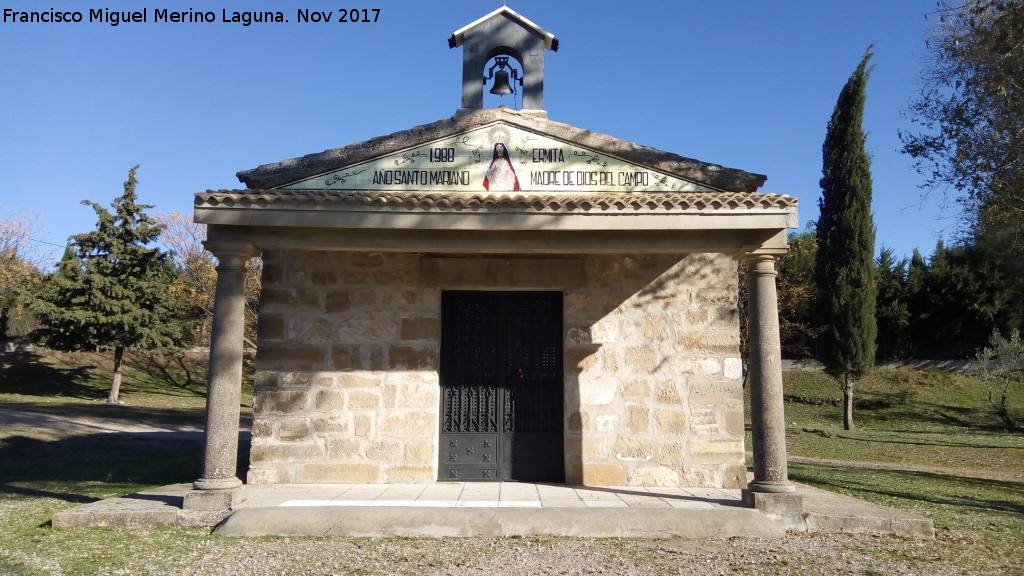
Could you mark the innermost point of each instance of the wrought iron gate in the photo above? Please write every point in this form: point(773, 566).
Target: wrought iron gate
point(501, 386)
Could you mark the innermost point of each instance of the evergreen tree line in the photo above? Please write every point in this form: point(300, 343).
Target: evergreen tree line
point(945, 306)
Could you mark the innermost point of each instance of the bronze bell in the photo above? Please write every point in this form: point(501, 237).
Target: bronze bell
point(501, 86)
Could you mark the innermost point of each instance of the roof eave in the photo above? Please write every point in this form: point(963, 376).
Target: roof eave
point(459, 36)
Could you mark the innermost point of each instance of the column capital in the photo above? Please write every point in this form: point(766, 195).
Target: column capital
point(749, 254)
point(226, 250)
point(761, 265)
point(231, 255)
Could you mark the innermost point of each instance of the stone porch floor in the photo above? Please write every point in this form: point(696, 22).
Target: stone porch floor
point(492, 509)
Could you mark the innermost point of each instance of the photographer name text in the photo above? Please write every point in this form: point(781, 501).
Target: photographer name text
point(161, 15)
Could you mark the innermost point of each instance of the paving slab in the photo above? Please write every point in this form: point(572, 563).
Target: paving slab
point(149, 509)
point(826, 511)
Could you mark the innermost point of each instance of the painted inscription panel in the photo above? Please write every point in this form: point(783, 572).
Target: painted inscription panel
point(498, 158)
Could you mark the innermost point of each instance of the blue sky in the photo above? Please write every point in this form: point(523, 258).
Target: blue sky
point(745, 84)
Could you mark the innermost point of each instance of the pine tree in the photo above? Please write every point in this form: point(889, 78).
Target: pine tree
point(892, 313)
point(111, 289)
point(55, 305)
point(845, 267)
point(959, 298)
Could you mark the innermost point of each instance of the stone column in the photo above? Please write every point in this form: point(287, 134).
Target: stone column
point(771, 491)
point(768, 422)
point(219, 488)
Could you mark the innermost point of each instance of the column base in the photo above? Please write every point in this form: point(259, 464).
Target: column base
point(771, 487)
point(213, 499)
point(784, 507)
point(217, 483)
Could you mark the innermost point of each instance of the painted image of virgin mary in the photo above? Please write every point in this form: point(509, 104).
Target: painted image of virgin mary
point(501, 175)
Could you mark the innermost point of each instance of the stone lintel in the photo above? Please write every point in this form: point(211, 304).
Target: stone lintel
point(361, 219)
point(502, 272)
point(499, 242)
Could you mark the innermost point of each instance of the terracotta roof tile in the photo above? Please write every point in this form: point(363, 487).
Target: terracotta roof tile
point(525, 203)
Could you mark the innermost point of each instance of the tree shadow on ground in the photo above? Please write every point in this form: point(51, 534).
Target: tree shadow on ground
point(184, 372)
point(979, 417)
point(903, 406)
point(929, 439)
point(87, 375)
point(25, 373)
point(83, 468)
point(943, 489)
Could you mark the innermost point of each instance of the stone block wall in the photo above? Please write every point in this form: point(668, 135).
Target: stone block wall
point(347, 389)
point(346, 370)
point(653, 373)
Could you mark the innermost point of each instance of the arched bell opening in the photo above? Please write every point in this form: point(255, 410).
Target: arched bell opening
point(503, 79)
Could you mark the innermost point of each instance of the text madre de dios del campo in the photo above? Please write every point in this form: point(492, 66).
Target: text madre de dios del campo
point(163, 15)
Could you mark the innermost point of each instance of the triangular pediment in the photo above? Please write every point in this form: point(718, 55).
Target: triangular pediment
point(464, 154)
point(498, 157)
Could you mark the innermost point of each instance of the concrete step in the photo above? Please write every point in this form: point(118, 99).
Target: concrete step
point(410, 521)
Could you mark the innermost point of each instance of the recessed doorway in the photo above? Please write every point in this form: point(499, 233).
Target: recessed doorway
point(501, 386)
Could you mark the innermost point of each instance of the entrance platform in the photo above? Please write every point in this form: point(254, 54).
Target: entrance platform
point(466, 509)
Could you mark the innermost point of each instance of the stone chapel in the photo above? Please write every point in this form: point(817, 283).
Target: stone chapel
point(497, 296)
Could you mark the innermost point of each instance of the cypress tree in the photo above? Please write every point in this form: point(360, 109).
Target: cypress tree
point(111, 290)
point(845, 267)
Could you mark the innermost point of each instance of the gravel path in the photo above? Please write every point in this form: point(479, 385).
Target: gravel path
point(820, 555)
point(45, 426)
